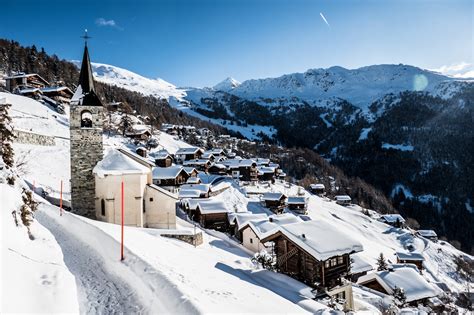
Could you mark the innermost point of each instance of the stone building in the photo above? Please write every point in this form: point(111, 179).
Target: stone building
point(86, 127)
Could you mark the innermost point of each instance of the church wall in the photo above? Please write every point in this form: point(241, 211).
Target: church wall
point(109, 189)
point(160, 209)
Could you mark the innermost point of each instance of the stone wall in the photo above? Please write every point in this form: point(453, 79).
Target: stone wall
point(86, 151)
point(22, 136)
point(193, 239)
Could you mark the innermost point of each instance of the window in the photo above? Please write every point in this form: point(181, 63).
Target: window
point(144, 210)
point(333, 262)
point(151, 199)
point(251, 241)
point(102, 207)
point(340, 260)
point(86, 119)
point(326, 264)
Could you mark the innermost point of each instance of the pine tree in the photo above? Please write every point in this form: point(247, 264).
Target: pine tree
point(381, 263)
point(6, 136)
point(125, 123)
point(399, 295)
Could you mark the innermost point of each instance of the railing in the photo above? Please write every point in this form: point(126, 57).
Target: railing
point(282, 259)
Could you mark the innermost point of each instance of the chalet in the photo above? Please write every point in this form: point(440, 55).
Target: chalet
point(217, 152)
point(243, 169)
point(238, 219)
point(162, 158)
point(318, 189)
point(141, 151)
point(211, 214)
point(195, 191)
point(22, 81)
point(31, 92)
point(208, 156)
point(169, 176)
point(266, 173)
point(297, 204)
point(417, 289)
point(186, 154)
point(193, 180)
point(217, 168)
point(192, 172)
point(416, 259)
point(274, 201)
point(303, 252)
point(146, 205)
point(199, 164)
point(428, 234)
point(394, 220)
point(359, 267)
point(343, 200)
point(60, 94)
point(262, 162)
point(139, 132)
point(253, 231)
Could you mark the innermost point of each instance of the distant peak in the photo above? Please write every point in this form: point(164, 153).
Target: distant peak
point(227, 84)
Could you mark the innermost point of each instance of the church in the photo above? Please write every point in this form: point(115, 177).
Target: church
point(96, 180)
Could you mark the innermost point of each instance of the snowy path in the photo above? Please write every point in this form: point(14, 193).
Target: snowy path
point(99, 290)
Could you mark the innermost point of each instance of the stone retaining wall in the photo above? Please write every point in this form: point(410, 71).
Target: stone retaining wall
point(193, 239)
point(28, 137)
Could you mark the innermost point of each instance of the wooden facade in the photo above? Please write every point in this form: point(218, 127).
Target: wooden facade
point(22, 81)
point(180, 179)
point(217, 221)
point(166, 161)
point(297, 263)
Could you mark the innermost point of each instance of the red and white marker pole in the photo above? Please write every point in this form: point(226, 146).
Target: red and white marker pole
point(121, 245)
point(61, 199)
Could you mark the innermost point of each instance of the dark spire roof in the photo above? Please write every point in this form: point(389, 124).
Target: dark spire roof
point(86, 81)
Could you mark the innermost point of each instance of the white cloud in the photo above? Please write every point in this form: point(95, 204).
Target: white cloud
point(324, 19)
point(110, 23)
point(457, 70)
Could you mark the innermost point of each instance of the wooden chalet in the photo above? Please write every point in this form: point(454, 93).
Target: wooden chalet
point(317, 189)
point(211, 214)
point(297, 204)
point(238, 219)
point(61, 94)
point(139, 133)
point(193, 172)
point(217, 169)
point(23, 81)
point(416, 259)
point(162, 158)
point(313, 252)
point(394, 220)
point(186, 154)
point(243, 169)
point(266, 173)
point(31, 92)
point(141, 151)
point(195, 191)
point(274, 201)
point(343, 200)
point(428, 234)
point(199, 164)
point(169, 176)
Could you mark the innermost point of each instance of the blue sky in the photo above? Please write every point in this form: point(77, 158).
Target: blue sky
point(199, 43)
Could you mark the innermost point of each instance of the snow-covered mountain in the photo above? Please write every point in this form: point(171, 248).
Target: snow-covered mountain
point(134, 82)
point(359, 86)
point(227, 85)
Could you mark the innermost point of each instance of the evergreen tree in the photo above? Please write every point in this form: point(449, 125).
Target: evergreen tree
point(399, 295)
point(381, 263)
point(6, 136)
point(125, 123)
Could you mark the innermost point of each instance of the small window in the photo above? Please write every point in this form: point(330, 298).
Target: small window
point(251, 241)
point(86, 119)
point(151, 199)
point(333, 262)
point(340, 260)
point(144, 209)
point(102, 207)
point(326, 264)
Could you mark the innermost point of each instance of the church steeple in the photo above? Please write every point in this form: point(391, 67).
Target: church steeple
point(86, 80)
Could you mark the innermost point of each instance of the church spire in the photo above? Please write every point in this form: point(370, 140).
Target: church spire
point(86, 81)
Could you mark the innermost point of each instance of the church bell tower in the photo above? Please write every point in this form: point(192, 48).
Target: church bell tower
point(86, 128)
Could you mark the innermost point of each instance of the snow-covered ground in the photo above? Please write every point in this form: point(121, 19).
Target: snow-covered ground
point(84, 271)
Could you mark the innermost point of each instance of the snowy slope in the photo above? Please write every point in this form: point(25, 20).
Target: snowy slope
point(134, 82)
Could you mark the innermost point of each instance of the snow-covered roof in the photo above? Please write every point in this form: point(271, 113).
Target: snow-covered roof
point(414, 285)
point(317, 186)
point(208, 206)
point(266, 226)
point(243, 217)
point(189, 193)
point(196, 162)
point(190, 169)
point(30, 90)
point(273, 196)
point(56, 89)
point(166, 172)
point(410, 256)
point(262, 161)
point(193, 180)
point(162, 154)
point(218, 165)
point(359, 264)
point(203, 188)
point(191, 150)
point(266, 170)
point(236, 163)
point(207, 155)
point(312, 236)
point(427, 233)
point(296, 200)
point(392, 218)
point(343, 198)
point(216, 151)
point(117, 163)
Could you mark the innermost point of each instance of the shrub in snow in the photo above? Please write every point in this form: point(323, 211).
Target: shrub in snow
point(27, 209)
point(265, 260)
point(399, 295)
point(381, 263)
